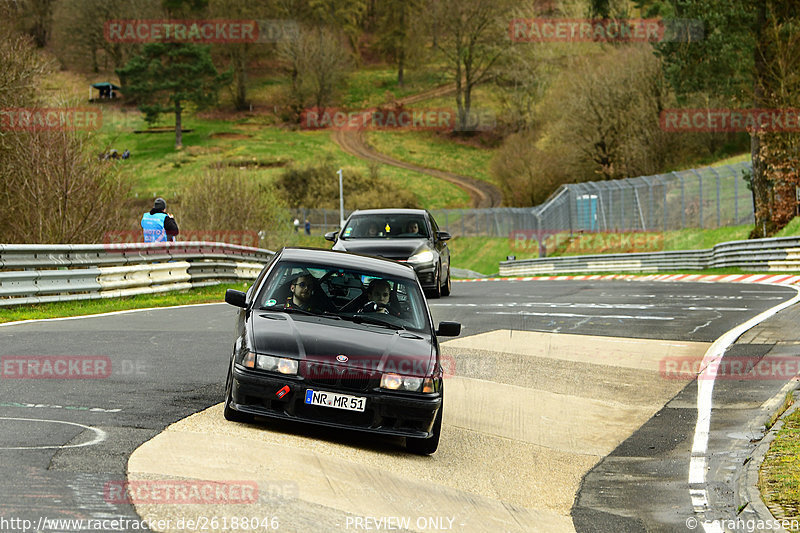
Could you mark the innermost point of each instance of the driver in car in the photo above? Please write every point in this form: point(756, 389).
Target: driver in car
point(302, 288)
point(378, 291)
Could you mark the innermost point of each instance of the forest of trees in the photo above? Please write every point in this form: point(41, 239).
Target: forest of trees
point(566, 111)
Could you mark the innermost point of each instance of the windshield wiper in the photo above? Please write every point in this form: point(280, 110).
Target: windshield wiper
point(299, 311)
point(288, 310)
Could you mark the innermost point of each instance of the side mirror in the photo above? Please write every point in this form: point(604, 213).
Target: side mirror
point(448, 329)
point(237, 298)
point(331, 236)
point(443, 236)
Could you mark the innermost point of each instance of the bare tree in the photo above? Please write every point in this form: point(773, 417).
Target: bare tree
point(472, 35)
point(318, 65)
point(51, 189)
point(54, 191)
point(79, 31)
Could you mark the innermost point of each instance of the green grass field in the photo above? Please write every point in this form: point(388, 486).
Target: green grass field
point(157, 169)
point(434, 150)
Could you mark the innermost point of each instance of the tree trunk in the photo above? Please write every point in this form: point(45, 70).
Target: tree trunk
point(401, 59)
point(760, 184)
point(240, 76)
point(178, 126)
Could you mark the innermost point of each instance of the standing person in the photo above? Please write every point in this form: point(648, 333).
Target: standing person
point(308, 227)
point(157, 225)
point(296, 224)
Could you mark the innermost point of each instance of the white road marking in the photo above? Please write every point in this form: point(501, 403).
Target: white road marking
point(67, 407)
point(574, 315)
point(110, 313)
point(99, 436)
point(705, 387)
point(640, 307)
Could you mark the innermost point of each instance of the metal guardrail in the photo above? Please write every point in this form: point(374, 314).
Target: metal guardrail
point(39, 273)
point(779, 254)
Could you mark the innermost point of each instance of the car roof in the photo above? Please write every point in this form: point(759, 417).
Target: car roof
point(389, 212)
point(347, 260)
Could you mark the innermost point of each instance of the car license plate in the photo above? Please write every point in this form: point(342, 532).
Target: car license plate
point(337, 401)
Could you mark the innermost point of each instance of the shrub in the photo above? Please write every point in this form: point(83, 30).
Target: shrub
point(225, 199)
point(318, 187)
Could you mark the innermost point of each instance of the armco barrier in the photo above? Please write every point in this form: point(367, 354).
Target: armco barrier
point(779, 254)
point(39, 273)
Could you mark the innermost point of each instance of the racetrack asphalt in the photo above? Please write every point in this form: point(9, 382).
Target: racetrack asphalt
point(521, 465)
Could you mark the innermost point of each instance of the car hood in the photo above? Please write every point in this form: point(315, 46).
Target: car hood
point(323, 339)
point(389, 248)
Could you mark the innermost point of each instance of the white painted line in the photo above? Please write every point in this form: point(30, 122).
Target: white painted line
point(66, 407)
point(705, 389)
point(573, 315)
point(110, 313)
point(99, 435)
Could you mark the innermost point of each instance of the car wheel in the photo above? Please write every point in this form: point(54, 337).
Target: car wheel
point(228, 412)
point(446, 288)
point(436, 292)
point(429, 445)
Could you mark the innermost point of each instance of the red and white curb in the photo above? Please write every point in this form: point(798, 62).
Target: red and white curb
point(723, 278)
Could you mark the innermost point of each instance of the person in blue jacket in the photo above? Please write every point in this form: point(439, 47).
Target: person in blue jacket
point(157, 225)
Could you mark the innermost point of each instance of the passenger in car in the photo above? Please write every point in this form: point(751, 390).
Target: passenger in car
point(302, 288)
point(413, 227)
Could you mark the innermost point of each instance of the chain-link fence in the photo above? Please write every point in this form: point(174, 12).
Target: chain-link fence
point(709, 197)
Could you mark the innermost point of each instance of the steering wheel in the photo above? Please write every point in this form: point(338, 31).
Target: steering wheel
point(373, 307)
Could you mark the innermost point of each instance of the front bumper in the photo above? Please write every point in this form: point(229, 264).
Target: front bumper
point(400, 414)
point(426, 272)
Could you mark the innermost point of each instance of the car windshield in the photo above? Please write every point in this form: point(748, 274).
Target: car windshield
point(361, 296)
point(402, 226)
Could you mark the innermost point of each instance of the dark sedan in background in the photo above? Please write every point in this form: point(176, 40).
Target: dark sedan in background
point(409, 235)
point(313, 347)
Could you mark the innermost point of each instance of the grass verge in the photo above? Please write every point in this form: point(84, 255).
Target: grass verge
point(779, 475)
point(214, 294)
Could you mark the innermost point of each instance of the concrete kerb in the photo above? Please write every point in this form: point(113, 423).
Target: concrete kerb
point(748, 496)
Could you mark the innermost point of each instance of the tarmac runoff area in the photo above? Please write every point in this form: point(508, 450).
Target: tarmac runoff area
point(527, 414)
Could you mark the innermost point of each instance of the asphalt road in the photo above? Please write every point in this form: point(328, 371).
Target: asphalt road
point(67, 439)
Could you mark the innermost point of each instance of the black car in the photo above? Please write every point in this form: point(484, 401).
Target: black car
point(409, 235)
point(340, 340)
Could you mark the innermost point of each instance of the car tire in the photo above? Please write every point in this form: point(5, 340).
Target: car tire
point(429, 445)
point(228, 412)
point(446, 287)
point(436, 292)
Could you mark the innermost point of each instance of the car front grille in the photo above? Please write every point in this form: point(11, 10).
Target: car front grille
point(337, 376)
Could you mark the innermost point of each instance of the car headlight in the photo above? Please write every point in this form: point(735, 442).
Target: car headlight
point(425, 256)
point(276, 364)
point(407, 383)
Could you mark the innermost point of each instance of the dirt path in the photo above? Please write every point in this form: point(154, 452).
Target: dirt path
point(482, 194)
